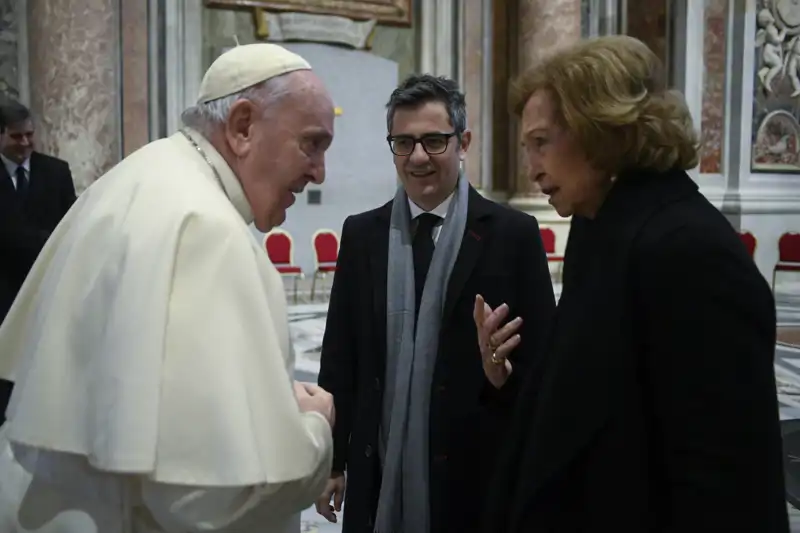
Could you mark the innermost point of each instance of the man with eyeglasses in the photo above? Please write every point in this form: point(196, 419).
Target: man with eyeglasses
point(420, 413)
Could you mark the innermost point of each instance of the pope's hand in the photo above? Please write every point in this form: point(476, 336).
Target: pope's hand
point(495, 342)
point(314, 398)
point(333, 489)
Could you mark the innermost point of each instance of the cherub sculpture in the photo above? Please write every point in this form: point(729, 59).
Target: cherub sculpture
point(770, 39)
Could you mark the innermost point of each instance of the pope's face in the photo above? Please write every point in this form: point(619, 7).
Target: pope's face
point(286, 149)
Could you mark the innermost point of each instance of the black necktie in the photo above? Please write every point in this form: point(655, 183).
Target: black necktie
point(423, 252)
point(22, 181)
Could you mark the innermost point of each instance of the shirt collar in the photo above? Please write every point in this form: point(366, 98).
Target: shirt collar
point(11, 166)
point(440, 210)
point(230, 183)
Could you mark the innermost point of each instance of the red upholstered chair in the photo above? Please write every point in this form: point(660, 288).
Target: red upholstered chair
point(788, 255)
point(549, 242)
point(280, 248)
point(749, 241)
point(326, 253)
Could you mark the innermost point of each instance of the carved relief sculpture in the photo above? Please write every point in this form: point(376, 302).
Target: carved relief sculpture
point(776, 101)
point(389, 12)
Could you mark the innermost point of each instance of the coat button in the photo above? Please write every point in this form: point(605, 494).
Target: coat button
point(441, 389)
point(377, 384)
point(440, 458)
point(368, 450)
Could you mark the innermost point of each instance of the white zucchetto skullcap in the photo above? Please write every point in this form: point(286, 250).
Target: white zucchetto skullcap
point(247, 65)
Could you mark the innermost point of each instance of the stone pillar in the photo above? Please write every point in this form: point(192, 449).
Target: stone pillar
point(73, 56)
point(9, 50)
point(135, 76)
point(475, 53)
point(437, 43)
point(544, 26)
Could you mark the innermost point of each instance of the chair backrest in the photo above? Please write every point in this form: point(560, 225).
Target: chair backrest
point(279, 247)
point(326, 246)
point(789, 248)
point(548, 240)
point(749, 241)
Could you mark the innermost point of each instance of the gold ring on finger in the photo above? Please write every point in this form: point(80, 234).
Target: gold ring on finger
point(497, 360)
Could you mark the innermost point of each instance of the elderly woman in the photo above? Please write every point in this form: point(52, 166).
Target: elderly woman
point(653, 408)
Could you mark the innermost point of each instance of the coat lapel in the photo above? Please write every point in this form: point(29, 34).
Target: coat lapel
point(6, 185)
point(379, 265)
point(470, 251)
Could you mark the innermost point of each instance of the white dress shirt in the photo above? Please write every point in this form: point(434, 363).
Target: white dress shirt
point(440, 211)
point(11, 168)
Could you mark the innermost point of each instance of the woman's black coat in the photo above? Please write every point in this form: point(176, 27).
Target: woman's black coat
point(655, 408)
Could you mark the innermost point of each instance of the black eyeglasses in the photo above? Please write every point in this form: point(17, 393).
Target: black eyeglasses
point(432, 143)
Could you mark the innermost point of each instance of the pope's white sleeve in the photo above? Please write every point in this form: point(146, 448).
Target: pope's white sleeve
point(179, 509)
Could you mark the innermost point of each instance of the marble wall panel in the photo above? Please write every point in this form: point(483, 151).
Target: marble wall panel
point(712, 125)
point(544, 26)
point(135, 76)
point(74, 53)
point(9, 34)
point(473, 81)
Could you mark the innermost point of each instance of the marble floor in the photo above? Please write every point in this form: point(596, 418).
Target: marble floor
point(307, 325)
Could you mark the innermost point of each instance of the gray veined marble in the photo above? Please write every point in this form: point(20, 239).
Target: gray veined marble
point(9, 70)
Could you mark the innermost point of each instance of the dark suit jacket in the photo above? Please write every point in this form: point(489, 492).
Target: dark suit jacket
point(658, 409)
point(51, 191)
point(26, 225)
point(502, 258)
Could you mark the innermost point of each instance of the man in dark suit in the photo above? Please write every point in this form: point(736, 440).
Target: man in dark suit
point(36, 191)
point(41, 184)
point(419, 412)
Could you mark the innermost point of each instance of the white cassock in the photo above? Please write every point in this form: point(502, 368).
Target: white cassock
point(150, 352)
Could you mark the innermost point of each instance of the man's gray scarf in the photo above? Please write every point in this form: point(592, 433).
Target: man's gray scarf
point(410, 361)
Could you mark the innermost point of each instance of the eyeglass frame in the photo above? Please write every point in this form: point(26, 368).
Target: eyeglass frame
point(419, 140)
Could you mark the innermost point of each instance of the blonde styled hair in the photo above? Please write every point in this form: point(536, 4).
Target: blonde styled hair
point(609, 92)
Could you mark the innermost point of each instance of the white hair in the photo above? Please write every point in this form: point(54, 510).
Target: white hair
point(206, 117)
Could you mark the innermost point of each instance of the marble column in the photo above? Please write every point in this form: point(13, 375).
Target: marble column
point(715, 57)
point(73, 57)
point(475, 53)
point(135, 76)
point(9, 39)
point(437, 43)
point(544, 26)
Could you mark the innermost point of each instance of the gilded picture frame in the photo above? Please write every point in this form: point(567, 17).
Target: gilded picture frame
point(387, 12)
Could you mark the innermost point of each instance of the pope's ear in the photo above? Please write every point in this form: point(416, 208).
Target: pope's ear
point(239, 126)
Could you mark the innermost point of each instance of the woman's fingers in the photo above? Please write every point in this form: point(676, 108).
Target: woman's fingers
point(479, 312)
point(490, 335)
point(499, 337)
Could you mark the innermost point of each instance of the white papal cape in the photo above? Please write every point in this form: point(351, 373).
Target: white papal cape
point(150, 353)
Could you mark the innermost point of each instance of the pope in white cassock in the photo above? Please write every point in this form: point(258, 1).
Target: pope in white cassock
point(149, 346)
